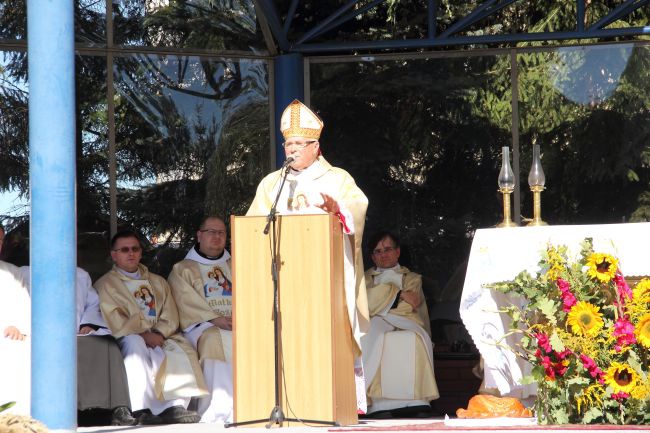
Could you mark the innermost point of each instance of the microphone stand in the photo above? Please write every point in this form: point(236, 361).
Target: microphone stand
point(272, 216)
point(277, 414)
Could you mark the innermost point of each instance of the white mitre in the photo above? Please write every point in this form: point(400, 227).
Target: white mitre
point(299, 121)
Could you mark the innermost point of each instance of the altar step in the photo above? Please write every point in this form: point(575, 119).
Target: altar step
point(386, 425)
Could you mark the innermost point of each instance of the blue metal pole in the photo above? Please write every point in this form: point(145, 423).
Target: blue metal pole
point(289, 85)
point(50, 51)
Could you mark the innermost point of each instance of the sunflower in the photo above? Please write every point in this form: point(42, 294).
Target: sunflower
point(642, 290)
point(585, 319)
point(643, 331)
point(622, 378)
point(602, 267)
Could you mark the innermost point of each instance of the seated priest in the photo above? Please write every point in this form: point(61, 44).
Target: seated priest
point(15, 344)
point(162, 368)
point(202, 287)
point(397, 351)
point(101, 377)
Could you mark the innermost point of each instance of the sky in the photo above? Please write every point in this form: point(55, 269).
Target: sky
point(11, 204)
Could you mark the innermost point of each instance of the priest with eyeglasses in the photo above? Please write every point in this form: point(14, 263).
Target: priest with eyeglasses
point(162, 368)
point(397, 350)
point(314, 186)
point(202, 287)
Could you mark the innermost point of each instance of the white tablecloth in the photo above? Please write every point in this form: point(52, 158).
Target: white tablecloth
point(499, 254)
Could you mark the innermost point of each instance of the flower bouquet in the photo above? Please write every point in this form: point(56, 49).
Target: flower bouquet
point(587, 335)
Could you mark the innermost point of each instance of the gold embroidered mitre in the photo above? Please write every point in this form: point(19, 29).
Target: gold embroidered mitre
point(299, 121)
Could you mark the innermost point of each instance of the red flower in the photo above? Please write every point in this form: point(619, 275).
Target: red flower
point(561, 367)
point(568, 298)
point(620, 396)
point(590, 365)
point(543, 342)
point(548, 367)
point(624, 290)
point(624, 333)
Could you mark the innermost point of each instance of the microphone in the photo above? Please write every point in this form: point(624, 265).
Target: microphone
point(288, 161)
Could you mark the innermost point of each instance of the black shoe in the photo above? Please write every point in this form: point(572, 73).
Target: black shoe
point(380, 414)
point(145, 417)
point(423, 411)
point(122, 416)
point(179, 415)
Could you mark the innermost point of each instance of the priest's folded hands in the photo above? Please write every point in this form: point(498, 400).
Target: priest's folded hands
point(13, 333)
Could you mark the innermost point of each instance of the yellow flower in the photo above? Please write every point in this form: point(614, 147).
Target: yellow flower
point(642, 290)
point(585, 319)
point(554, 272)
point(622, 378)
point(602, 267)
point(642, 331)
point(591, 396)
point(642, 390)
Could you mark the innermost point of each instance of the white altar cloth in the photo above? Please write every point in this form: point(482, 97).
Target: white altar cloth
point(499, 254)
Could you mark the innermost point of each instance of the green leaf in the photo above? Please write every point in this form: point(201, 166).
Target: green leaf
point(527, 380)
point(634, 361)
point(548, 309)
point(560, 415)
point(7, 406)
point(593, 415)
point(556, 342)
point(578, 380)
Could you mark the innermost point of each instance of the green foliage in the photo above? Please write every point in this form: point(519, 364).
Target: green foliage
point(7, 406)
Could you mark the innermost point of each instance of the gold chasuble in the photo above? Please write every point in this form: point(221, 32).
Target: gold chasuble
point(299, 196)
point(132, 306)
point(407, 367)
point(203, 291)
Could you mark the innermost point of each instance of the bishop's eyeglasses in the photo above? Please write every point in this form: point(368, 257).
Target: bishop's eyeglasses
point(298, 144)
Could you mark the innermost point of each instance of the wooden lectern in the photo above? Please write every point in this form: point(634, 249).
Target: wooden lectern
point(316, 376)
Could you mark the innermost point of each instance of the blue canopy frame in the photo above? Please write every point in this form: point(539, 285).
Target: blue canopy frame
point(451, 36)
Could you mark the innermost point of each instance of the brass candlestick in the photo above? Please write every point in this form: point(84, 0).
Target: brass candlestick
point(507, 221)
point(506, 186)
point(536, 180)
point(537, 206)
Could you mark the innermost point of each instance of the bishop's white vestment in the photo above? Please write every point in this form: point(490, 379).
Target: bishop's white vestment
point(300, 195)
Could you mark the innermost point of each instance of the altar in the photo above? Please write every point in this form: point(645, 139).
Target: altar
point(499, 254)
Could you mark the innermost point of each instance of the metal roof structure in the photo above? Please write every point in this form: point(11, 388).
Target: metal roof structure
point(316, 40)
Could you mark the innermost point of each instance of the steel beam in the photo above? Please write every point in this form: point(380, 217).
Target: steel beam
point(349, 16)
point(619, 12)
point(432, 15)
point(466, 40)
point(270, 14)
point(446, 38)
point(314, 31)
point(483, 11)
point(580, 15)
point(290, 14)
